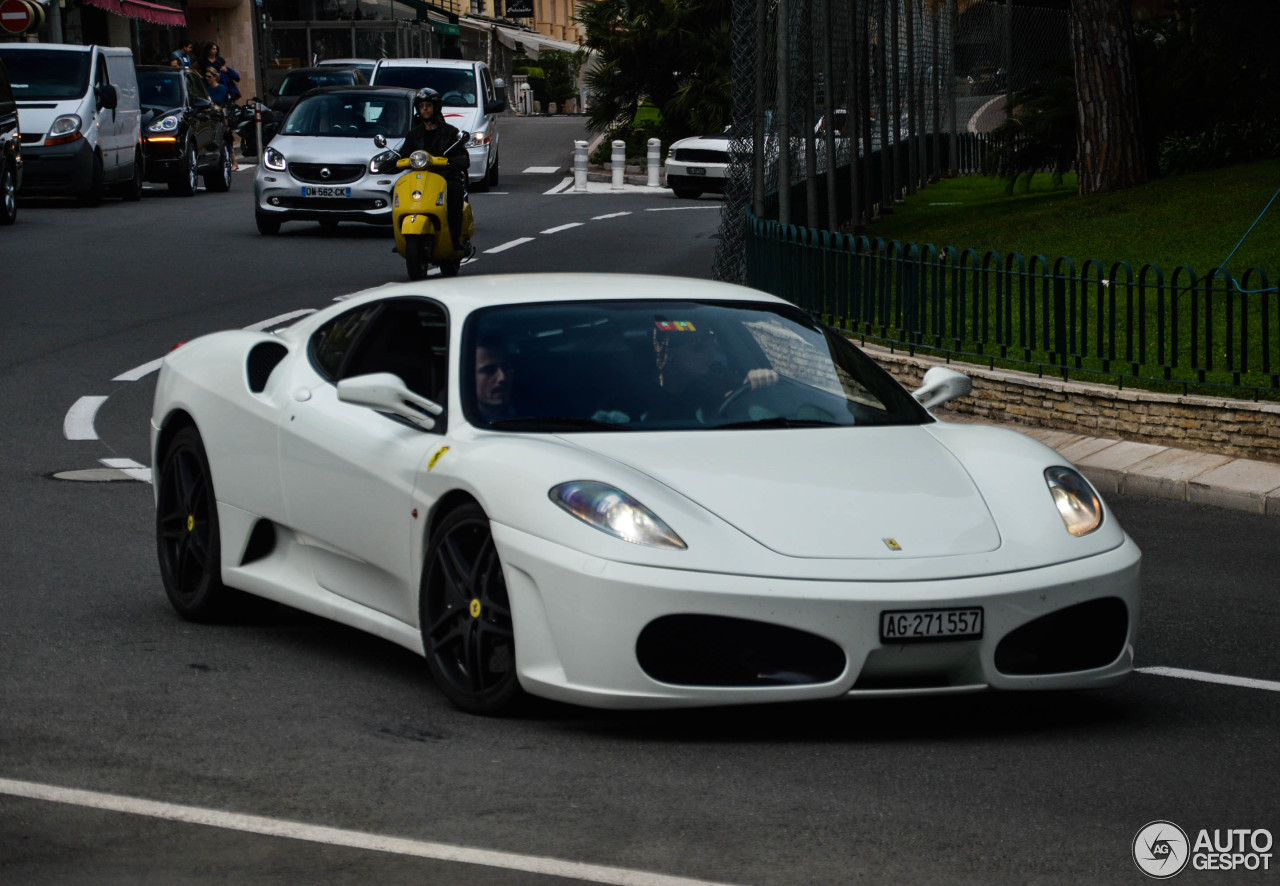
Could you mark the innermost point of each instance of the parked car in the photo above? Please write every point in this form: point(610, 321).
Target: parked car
point(10, 152)
point(318, 167)
point(184, 135)
point(80, 119)
point(300, 81)
point(502, 474)
point(698, 164)
point(363, 65)
point(471, 101)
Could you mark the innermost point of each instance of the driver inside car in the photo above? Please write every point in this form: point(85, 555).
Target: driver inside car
point(693, 380)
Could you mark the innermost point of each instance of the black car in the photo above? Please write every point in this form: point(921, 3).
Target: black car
point(10, 152)
point(303, 80)
point(184, 134)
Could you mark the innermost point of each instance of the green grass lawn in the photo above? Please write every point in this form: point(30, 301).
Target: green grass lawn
point(1192, 220)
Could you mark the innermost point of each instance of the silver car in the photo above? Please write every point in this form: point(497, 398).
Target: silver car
point(319, 165)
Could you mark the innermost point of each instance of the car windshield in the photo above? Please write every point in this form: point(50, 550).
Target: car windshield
point(349, 115)
point(160, 89)
point(46, 74)
point(457, 86)
point(669, 366)
point(298, 82)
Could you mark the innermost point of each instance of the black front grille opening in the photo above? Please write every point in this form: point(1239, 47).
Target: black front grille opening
point(712, 650)
point(1079, 638)
point(263, 358)
point(339, 173)
point(262, 541)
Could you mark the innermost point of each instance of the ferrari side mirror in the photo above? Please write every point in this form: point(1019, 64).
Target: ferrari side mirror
point(941, 384)
point(386, 392)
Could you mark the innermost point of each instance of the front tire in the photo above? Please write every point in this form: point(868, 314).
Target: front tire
point(97, 184)
point(186, 181)
point(416, 257)
point(266, 225)
point(8, 195)
point(465, 614)
point(187, 538)
point(131, 190)
point(493, 174)
point(219, 179)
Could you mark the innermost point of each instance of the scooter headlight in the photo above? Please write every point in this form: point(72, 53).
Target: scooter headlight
point(167, 123)
point(274, 160)
point(419, 159)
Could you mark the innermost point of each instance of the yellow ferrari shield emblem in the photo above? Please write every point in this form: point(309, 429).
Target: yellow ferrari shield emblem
point(475, 608)
point(191, 523)
point(892, 544)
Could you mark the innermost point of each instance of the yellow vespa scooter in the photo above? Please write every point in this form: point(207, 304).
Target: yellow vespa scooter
point(419, 218)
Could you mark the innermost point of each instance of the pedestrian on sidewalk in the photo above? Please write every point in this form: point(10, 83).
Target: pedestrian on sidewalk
point(181, 57)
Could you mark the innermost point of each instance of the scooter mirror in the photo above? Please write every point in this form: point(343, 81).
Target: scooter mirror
point(380, 140)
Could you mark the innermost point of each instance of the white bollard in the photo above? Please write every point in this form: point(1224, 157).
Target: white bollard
point(580, 166)
point(655, 160)
point(619, 163)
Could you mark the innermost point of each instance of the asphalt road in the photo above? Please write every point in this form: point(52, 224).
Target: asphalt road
point(308, 725)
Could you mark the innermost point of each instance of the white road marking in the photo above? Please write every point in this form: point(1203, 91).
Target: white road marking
point(560, 187)
point(508, 245)
point(293, 830)
point(78, 424)
point(138, 372)
point(715, 206)
point(541, 170)
point(279, 321)
point(1205, 677)
point(130, 467)
point(610, 215)
point(560, 228)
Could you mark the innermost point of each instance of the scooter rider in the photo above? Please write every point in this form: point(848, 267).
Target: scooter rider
point(432, 134)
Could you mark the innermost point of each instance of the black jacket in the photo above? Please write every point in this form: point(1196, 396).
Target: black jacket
point(443, 141)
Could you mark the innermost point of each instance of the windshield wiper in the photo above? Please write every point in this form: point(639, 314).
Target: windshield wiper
point(556, 422)
point(777, 421)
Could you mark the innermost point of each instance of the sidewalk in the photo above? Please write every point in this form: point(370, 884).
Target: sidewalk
point(1128, 468)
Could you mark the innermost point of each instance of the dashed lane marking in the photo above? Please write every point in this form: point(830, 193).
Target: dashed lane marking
point(542, 170)
point(78, 423)
point(508, 245)
point(715, 206)
point(138, 372)
point(558, 228)
point(610, 215)
point(1205, 677)
point(294, 830)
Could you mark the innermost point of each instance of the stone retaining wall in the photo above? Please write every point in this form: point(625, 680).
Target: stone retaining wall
point(1239, 428)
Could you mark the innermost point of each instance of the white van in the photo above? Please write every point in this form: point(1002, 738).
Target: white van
point(80, 119)
point(471, 99)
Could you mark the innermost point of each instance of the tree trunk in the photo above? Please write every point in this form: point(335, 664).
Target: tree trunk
point(1109, 149)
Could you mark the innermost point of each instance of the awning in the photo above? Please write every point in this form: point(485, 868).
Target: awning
point(531, 42)
point(147, 12)
point(446, 28)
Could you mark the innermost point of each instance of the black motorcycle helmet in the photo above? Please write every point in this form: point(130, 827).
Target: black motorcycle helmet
point(427, 94)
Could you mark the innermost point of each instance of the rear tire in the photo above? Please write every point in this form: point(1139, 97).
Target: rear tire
point(267, 225)
point(188, 541)
point(8, 195)
point(131, 190)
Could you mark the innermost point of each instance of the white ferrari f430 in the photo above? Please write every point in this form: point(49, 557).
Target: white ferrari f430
point(629, 491)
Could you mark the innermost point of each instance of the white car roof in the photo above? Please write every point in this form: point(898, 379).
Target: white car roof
point(426, 63)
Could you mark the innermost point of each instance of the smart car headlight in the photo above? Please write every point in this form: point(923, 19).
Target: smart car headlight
point(167, 123)
point(613, 511)
point(419, 159)
point(1078, 504)
point(274, 160)
point(386, 158)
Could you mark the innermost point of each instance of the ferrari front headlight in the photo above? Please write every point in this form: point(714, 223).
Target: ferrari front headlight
point(613, 511)
point(1078, 505)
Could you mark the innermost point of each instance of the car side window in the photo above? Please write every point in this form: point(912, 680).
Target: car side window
point(332, 342)
point(488, 85)
point(408, 338)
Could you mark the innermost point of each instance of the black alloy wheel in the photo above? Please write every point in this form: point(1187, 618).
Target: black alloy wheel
point(465, 614)
point(8, 195)
point(219, 178)
point(187, 538)
point(187, 179)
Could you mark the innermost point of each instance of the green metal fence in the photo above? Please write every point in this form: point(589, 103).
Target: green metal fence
point(1181, 331)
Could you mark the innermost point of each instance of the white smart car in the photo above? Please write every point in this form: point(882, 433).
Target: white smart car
point(630, 491)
